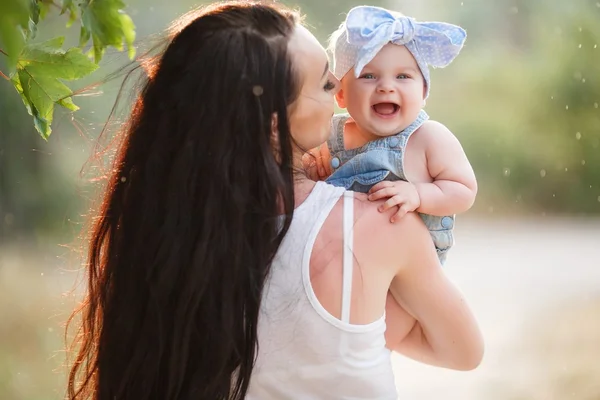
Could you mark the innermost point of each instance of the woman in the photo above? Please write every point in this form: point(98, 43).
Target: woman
point(216, 267)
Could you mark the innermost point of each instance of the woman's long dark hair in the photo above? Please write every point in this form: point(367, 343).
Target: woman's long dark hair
point(189, 224)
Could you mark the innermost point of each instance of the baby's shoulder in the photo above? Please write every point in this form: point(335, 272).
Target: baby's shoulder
point(432, 132)
point(431, 127)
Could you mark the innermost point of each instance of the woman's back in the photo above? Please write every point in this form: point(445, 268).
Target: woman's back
point(304, 350)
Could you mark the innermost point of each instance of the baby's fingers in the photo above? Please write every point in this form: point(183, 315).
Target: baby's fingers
point(391, 202)
point(380, 185)
point(382, 193)
point(310, 166)
point(313, 164)
point(402, 210)
point(321, 169)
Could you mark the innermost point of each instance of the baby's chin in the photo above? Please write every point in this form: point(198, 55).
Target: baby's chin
point(386, 130)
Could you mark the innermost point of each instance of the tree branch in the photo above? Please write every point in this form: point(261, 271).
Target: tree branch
point(4, 76)
point(3, 52)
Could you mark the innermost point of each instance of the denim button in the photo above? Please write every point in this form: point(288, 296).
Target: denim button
point(447, 222)
point(335, 162)
point(394, 142)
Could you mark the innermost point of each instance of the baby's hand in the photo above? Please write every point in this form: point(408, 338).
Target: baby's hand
point(399, 193)
point(317, 163)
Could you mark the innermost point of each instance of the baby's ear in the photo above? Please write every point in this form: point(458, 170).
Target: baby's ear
point(339, 97)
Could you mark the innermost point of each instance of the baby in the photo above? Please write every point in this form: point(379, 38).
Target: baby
point(386, 145)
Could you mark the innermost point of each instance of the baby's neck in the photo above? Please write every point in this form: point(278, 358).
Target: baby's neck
point(355, 136)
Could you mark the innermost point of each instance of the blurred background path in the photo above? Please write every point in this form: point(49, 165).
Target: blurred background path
point(535, 287)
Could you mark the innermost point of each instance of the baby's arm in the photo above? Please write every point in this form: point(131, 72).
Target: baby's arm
point(454, 185)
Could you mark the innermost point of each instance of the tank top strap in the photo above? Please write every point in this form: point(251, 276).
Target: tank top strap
point(348, 255)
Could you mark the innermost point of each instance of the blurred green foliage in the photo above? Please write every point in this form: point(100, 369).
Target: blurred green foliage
point(526, 108)
point(38, 69)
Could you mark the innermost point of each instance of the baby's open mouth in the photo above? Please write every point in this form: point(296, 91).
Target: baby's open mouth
point(386, 108)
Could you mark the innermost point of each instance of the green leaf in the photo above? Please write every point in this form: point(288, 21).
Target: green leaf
point(54, 44)
point(42, 92)
point(67, 5)
point(14, 21)
point(68, 104)
point(35, 11)
point(107, 25)
point(17, 84)
point(44, 8)
point(39, 10)
point(128, 34)
point(32, 31)
point(40, 71)
point(84, 36)
point(56, 62)
point(70, 7)
point(41, 125)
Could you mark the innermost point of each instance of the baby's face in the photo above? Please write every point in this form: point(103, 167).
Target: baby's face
point(388, 94)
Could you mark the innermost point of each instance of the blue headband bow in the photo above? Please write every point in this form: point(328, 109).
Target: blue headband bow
point(431, 43)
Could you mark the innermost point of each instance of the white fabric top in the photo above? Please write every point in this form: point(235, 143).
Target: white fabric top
point(305, 352)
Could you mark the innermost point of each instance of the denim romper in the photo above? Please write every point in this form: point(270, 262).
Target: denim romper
point(382, 159)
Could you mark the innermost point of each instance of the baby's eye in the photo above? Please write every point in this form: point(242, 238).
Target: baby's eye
point(403, 76)
point(367, 76)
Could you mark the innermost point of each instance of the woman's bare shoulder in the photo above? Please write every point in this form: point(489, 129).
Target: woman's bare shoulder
point(387, 244)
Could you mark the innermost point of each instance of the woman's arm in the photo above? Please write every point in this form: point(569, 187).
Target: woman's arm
point(399, 323)
point(445, 332)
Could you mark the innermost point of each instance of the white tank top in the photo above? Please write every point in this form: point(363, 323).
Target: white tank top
point(305, 352)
